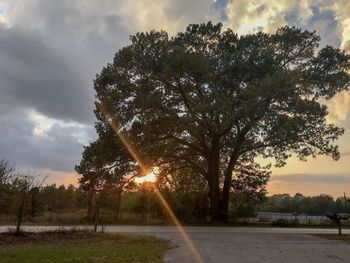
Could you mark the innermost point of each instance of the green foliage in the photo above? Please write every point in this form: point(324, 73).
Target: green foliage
point(54, 198)
point(6, 188)
point(244, 205)
point(212, 101)
point(105, 167)
point(188, 194)
point(311, 205)
point(38, 199)
point(104, 161)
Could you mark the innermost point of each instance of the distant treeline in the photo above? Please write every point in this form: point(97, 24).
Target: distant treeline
point(49, 198)
point(143, 206)
point(26, 197)
point(312, 205)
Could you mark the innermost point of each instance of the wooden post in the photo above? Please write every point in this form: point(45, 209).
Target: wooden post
point(346, 203)
point(339, 226)
point(21, 207)
point(96, 219)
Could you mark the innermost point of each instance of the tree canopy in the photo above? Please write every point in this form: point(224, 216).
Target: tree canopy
point(212, 101)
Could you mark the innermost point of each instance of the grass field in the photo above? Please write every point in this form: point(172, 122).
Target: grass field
point(80, 247)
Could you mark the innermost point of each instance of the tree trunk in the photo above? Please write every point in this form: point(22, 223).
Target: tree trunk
point(219, 200)
point(215, 201)
point(90, 211)
point(34, 194)
point(216, 214)
point(225, 198)
point(118, 205)
point(96, 218)
point(202, 205)
point(21, 211)
point(227, 186)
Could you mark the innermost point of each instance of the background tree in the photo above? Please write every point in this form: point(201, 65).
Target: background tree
point(23, 186)
point(6, 172)
point(213, 101)
point(24, 197)
point(249, 190)
point(57, 199)
point(6, 176)
point(105, 164)
point(186, 191)
point(311, 205)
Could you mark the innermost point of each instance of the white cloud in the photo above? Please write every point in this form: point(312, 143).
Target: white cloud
point(170, 15)
point(4, 18)
point(43, 126)
point(261, 15)
point(339, 107)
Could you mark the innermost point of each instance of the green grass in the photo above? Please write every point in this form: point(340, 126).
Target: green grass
point(81, 247)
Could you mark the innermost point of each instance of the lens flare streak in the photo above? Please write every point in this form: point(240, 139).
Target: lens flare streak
point(151, 177)
point(179, 227)
point(116, 128)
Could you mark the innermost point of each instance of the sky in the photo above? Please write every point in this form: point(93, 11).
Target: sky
point(50, 52)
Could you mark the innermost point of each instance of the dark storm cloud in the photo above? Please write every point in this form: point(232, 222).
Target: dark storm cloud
point(52, 50)
point(35, 75)
point(49, 55)
point(48, 59)
point(59, 149)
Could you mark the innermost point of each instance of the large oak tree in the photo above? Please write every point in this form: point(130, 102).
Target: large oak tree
point(212, 101)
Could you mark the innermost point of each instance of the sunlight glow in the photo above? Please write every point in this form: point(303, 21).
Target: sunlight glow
point(150, 177)
point(4, 19)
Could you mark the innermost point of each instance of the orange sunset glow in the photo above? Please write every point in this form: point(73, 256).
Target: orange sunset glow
point(150, 177)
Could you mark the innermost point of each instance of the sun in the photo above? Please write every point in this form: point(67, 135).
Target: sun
point(150, 177)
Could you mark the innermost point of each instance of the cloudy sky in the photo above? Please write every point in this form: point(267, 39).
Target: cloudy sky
point(50, 52)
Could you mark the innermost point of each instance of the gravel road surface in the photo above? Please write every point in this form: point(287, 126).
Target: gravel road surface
point(241, 244)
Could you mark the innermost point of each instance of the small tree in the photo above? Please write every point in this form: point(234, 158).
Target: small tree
point(6, 172)
point(23, 186)
point(105, 163)
point(6, 176)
